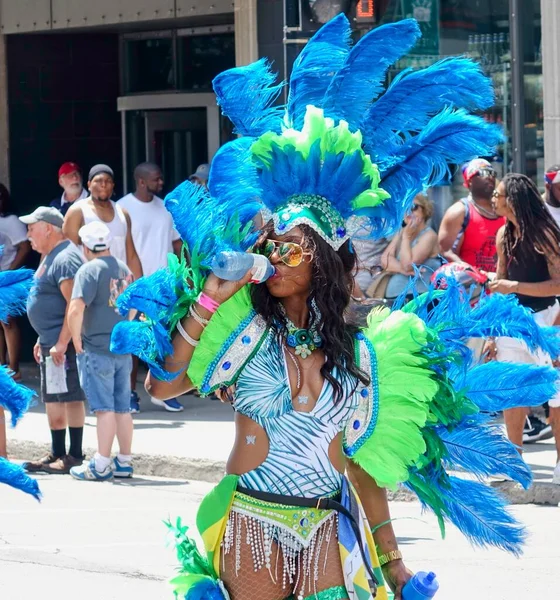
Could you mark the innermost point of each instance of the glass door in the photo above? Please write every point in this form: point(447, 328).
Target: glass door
point(177, 140)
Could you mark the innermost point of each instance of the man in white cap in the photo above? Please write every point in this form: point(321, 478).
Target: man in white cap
point(105, 377)
point(47, 306)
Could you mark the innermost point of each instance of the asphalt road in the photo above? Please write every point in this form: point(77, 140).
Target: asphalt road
point(103, 541)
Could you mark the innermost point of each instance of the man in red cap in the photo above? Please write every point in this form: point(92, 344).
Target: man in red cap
point(70, 180)
point(467, 233)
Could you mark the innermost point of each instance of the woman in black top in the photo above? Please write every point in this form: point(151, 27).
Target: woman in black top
point(528, 266)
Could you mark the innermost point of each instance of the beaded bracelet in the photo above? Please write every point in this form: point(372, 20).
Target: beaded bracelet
point(186, 336)
point(194, 314)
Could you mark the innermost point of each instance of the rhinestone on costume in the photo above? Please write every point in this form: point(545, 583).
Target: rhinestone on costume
point(360, 336)
point(356, 424)
point(341, 232)
point(226, 366)
point(246, 340)
point(286, 216)
point(304, 522)
point(364, 393)
point(282, 226)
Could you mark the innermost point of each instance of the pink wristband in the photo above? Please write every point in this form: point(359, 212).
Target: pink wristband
point(208, 303)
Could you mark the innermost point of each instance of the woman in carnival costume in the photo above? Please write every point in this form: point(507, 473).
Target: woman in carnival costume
point(14, 397)
point(317, 400)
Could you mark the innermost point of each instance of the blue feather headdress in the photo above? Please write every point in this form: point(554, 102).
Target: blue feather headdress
point(343, 146)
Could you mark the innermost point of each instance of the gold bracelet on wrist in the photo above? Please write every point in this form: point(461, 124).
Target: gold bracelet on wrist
point(389, 557)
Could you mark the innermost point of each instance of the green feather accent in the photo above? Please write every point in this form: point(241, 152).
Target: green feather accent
point(333, 140)
point(397, 442)
point(190, 277)
point(223, 323)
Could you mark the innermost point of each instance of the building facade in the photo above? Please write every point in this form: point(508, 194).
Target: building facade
point(122, 81)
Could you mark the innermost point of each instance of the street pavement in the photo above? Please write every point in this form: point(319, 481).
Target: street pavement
point(106, 541)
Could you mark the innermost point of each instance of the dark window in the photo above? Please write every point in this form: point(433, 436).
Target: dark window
point(202, 57)
point(149, 65)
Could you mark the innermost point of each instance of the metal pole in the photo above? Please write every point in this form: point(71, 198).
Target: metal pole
point(517, 87)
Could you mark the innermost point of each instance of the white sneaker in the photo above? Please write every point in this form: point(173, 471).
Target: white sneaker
point(556, 475)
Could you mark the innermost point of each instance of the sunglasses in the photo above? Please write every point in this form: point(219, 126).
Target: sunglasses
point(485, 173)
point(290, 253)
point(415, 207)
point(496, 194)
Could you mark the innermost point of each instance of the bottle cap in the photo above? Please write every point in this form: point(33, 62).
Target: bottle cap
point(426, 583)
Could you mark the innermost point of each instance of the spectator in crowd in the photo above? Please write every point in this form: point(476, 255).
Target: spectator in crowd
point(200, 176)
point(154, 238)
point(47, 306)
point(105, 377)
point(14, 250)
point(369, 255)
point(100, 207)
point(468, 230)
point(416, 244)
point(529, 267)
point(552, 191)
point(70, 180)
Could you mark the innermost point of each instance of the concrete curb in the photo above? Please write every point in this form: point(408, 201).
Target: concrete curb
point(200, 469)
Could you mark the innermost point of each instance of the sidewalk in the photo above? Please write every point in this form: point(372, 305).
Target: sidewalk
point(195, 443)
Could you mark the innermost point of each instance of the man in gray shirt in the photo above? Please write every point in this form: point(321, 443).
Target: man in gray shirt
point(46, 310)
point(105, 377)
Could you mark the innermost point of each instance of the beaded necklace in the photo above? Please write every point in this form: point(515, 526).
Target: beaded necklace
point(304, 341)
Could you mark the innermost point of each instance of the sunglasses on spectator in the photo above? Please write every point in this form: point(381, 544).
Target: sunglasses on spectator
point(290, 253)
point(415, 207)
point(496, 194)
point(486, 173)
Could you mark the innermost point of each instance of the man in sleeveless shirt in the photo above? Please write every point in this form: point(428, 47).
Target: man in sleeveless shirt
point(468, 230)
point(100, 207)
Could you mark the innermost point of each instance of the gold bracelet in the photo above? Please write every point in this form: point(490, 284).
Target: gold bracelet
point(389, 557)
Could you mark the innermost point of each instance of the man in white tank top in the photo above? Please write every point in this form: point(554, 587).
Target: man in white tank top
point(100, 207)
point(154, 238)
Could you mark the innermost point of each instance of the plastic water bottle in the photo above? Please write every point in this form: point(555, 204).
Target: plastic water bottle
point(421, 587)
point(232, 266)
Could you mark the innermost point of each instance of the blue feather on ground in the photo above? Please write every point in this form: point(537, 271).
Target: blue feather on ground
point(15, 476)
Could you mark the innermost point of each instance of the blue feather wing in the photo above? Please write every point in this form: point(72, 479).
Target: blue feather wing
point(15, 476)
point(13, 396)
point(482, 449)
point(497, 386)
point(247, 95)
point(481, 515)
point(414, 97)
point(450, 137)
point(14, 290)
point(360, 80)
point(314, 68)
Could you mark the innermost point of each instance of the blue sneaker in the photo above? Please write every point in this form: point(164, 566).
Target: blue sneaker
point(171, 405)
point(124, 470)
point(88, 472)
point(134, 403)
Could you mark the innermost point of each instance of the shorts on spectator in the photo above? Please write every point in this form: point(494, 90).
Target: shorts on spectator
point(105, 379)
point(516, 351)
point(74, 393)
